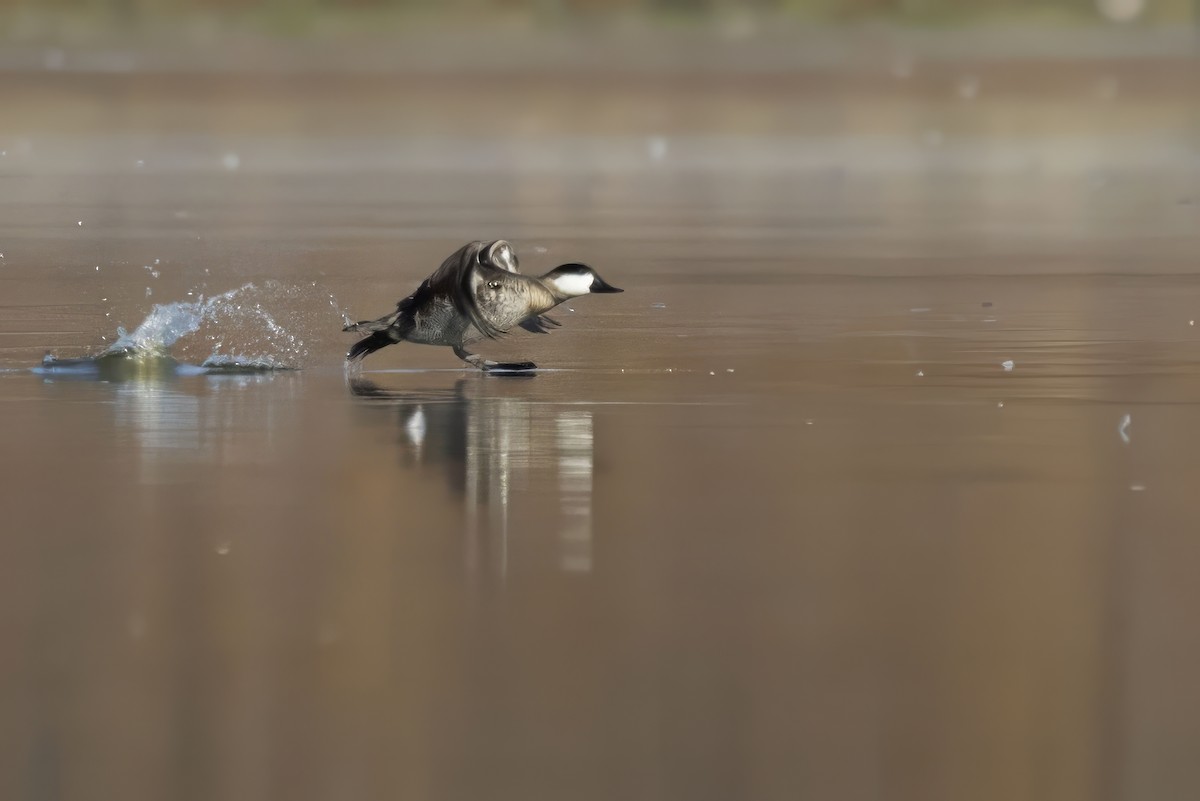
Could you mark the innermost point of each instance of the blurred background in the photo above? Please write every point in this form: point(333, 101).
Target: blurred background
point(878, 481)
point(328, 15)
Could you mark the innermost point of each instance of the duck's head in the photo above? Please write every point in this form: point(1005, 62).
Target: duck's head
point(573, 280)
point(499, 254)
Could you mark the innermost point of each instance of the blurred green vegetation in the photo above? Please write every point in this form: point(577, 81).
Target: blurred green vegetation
point(300, 15)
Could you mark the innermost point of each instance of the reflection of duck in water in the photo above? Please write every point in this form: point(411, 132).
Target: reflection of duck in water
point(477, 293)
point(491, 449)
point(432, 424)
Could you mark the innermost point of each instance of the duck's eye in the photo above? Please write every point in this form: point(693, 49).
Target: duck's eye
point(494, 284)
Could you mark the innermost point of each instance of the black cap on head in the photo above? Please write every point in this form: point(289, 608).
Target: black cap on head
point(576, 279)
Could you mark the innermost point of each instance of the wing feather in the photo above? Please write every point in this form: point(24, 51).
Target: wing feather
point(462, 274)
point(541, 324)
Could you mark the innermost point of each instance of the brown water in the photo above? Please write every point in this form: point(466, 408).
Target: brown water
point(774, 523)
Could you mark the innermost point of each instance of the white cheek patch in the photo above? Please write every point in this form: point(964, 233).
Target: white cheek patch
point(573, 283)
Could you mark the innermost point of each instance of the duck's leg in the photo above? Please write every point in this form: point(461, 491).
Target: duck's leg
point(487, 365)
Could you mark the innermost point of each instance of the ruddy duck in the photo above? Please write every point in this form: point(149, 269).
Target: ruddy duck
point(477, 293)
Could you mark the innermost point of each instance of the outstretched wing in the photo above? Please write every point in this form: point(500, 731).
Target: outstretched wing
point(461, 277)
point(456, 279)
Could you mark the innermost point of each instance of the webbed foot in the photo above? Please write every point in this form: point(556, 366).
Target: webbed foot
point(509, 367)
point(489, 366)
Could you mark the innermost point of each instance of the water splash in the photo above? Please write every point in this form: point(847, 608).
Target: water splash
point(232, 330)
point(235, 332)
point(167, 324)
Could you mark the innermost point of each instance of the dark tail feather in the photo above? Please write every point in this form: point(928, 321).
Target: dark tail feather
point(372, 325)
point(367, 345)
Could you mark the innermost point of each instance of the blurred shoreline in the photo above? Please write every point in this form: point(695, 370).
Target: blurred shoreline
point(703, 50)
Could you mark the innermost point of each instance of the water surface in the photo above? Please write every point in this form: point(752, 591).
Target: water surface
point(776, 522)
